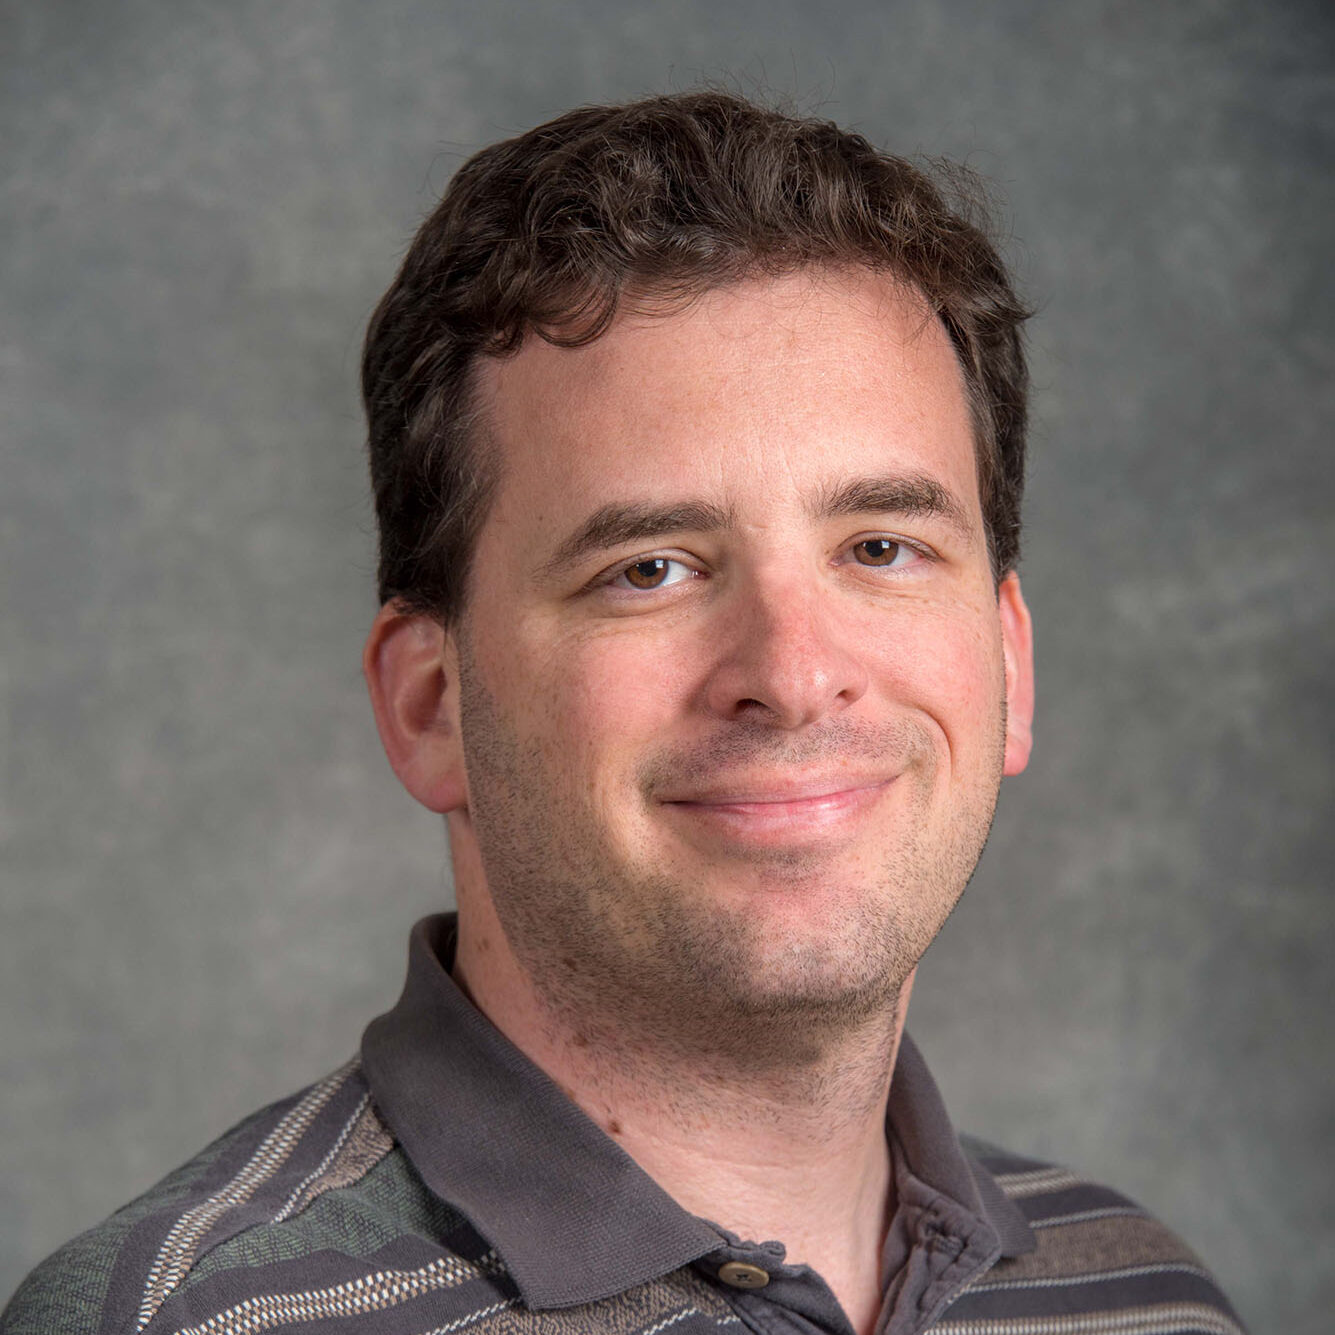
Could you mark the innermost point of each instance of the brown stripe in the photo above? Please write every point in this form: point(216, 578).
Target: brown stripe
point(1094, 1245)
point(1160, 1319)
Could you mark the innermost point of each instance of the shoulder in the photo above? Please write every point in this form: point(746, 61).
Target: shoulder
point(309, 1201)
point(1097, 1257)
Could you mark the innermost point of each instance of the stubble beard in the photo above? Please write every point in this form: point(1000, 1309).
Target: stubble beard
point(628, 959)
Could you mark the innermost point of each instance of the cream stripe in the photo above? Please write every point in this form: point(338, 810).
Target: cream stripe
point(1160, 1319)
point(1037, 1181)
point(473, 1317)
point(355, 1297)
point(672, 1320)
point(1081, 1216)
point(1094, 1277)
point(177, 1252)
point(324, 1163)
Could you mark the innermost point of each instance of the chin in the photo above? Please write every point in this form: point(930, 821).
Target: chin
point(757, 961)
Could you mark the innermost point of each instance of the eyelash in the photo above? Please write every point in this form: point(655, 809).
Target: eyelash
point(608, 580)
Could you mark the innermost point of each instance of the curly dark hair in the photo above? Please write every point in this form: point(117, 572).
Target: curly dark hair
point(661, 199)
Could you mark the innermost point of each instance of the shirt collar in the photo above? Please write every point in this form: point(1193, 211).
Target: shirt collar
point(930, 1149)
point(572, 1215)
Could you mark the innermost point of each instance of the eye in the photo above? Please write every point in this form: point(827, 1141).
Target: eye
point(654, 572)
point(884, 552)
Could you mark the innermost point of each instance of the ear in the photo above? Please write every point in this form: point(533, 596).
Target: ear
point(412, 670)
point(1017, 644)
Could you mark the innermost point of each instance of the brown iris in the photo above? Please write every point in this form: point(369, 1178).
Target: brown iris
point(647, 574)
point(876, 552)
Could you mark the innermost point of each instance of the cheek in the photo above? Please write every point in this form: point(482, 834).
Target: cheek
point(950, 666)
point(592, 701)
point(972, 703)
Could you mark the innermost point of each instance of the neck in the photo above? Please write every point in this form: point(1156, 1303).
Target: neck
point(790, 1145)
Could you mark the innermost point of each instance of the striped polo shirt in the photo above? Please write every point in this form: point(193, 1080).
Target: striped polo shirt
point(441, 1182)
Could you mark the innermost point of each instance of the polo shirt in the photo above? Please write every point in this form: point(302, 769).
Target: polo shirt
point(441, 1182)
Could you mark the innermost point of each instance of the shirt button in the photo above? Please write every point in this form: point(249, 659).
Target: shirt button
point(743, 1276)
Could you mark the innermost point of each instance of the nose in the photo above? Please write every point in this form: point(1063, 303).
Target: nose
point(786, 658)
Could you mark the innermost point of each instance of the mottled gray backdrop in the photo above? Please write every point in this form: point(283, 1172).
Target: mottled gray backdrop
point(208, 870)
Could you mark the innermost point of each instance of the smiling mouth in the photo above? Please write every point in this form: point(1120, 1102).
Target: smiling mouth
point(783, 813)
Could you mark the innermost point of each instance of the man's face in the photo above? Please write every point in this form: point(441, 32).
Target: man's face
point(733, 668)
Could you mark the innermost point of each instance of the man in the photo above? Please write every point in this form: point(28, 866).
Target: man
point(697, 442)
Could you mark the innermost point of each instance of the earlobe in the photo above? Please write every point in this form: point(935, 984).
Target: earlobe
point(1017, 640)
point(411, 668)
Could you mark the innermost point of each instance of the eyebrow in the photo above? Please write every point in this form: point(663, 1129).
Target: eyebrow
point(616, 524)
point(911, 494)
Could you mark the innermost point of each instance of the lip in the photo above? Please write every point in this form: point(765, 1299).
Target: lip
point(783, 812)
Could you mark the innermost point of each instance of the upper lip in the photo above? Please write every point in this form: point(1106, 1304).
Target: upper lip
point(774, 790)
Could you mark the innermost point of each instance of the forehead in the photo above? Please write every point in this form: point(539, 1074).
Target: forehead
point(752, 393)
